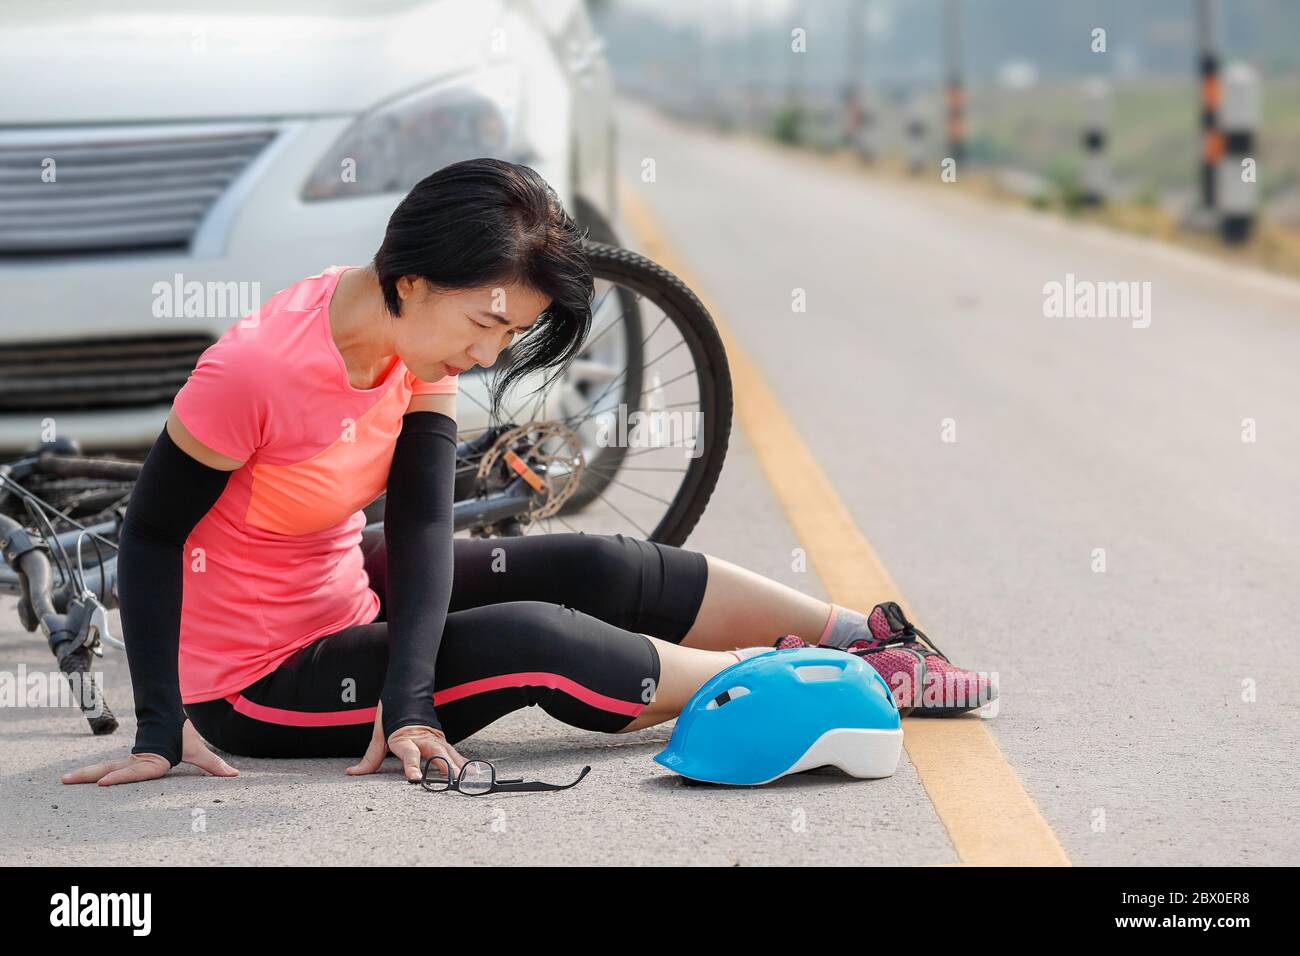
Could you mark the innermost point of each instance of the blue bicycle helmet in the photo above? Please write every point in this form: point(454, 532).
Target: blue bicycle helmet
point(786, 711)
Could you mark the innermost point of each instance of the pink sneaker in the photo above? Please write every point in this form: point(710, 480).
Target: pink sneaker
point(907, 659)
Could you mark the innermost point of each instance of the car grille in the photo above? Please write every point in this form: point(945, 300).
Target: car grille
point(96, 374)
point(117, 189)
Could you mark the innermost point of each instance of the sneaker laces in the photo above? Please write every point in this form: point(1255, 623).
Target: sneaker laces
point(898, 631)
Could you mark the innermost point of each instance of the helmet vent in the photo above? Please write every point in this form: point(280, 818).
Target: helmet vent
point(813, 672)
point(726, 697)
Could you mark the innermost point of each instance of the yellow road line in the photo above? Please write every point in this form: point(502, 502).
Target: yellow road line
point(989, 817)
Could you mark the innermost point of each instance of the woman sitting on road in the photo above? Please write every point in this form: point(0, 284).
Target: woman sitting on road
point(260, 619)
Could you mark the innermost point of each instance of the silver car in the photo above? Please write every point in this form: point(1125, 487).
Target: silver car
point(165, 167)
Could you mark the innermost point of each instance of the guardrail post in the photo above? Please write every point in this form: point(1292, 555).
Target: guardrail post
point(915, 135)
point(1096, 179)
point(1235, 185)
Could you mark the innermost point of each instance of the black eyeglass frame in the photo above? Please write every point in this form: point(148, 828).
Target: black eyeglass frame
point(514, 785)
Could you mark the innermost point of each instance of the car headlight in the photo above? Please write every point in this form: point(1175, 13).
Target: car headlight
point(396, 145)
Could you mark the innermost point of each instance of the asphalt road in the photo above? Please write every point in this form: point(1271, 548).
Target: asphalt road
point(1144, 708)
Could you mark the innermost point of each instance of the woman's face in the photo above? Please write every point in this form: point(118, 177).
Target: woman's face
point(441, 333)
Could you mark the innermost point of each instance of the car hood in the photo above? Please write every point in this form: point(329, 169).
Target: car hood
point(76, 61)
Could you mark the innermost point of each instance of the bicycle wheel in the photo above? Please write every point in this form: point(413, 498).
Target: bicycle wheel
point(638, 425)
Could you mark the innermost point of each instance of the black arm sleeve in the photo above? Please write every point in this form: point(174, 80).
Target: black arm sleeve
point(173, 493)
point(418, 529)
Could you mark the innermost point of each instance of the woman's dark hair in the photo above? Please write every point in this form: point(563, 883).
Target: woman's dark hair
point(487, 222)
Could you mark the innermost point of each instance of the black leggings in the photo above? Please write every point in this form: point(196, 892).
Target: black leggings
point(551, 619)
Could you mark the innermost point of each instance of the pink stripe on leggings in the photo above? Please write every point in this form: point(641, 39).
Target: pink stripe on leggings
point(366, 715)
point(544, 679)
point(301, 718)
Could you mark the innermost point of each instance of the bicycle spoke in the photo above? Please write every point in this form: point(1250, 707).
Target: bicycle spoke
point(646, 391)
point(560, 519)
point(539, 403)
point(590, 369)
point(643, 392)
point(622, 374)
point(662, 501)
point(486, 411)
point(643, 451)
point(609, 325)
point(620, 470)
point(644, 534)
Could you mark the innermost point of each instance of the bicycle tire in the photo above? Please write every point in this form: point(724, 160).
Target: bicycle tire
point(700, 333)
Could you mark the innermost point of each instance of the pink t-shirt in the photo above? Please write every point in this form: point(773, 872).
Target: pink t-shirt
point(277, 562)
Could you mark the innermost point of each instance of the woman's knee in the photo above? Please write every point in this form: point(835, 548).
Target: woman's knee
point(579, 668)
point(655, 588)
point(633, 583)
point(589, 567)
point(605, 578)
point(529, 627)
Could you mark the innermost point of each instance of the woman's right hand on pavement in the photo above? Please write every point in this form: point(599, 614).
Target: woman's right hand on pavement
point(135, 768)
point(411, 745)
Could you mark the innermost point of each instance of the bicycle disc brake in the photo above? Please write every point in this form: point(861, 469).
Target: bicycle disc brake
point(547, 455)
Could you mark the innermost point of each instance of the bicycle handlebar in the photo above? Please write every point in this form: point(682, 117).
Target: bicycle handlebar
point(72, 636)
